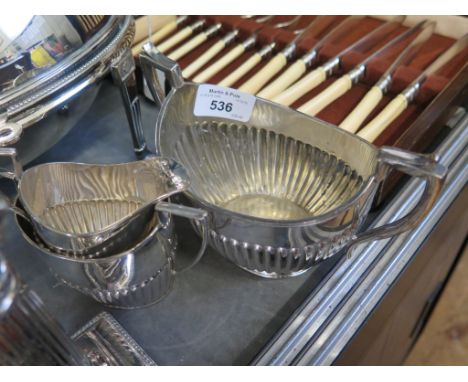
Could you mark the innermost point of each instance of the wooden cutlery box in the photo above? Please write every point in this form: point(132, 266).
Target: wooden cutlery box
point(417, 127)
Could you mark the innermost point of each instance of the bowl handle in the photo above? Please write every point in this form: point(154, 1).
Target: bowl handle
point(123, 74)
point(151, 60)
point(190, 213)
point(419, 165)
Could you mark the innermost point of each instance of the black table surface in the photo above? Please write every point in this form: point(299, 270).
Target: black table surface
point(216, 313)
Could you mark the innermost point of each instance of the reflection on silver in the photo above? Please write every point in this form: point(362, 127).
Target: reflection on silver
point(106, 343)
point(55, 64)
point(28, 334)
point(259, 173)
point(138, 277)
point(82, 208)
point(42, 42)
point(281, 247)
point(133, 279)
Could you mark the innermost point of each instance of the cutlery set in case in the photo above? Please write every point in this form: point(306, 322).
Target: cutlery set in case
point(299, 45)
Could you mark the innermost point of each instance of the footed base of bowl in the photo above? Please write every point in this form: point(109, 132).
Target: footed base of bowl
point(272, 275)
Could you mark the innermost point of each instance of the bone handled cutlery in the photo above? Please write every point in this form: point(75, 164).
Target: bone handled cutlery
point(181, 36)
point(248, 65)
point(345, 82)
point(372, 98)
point(160, 34)
point(375, 127)
point(195, 42)
point(300, 66)
point(278, 62)
point(320, 74)
point(228, 39)
point(224, 61)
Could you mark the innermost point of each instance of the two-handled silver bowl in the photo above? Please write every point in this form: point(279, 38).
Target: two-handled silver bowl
point(283, 190)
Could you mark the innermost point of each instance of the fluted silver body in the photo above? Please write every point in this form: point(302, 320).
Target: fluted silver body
point(28, 334)
point(91, 210)
point(283, 190)
point(136, 278)
point(260, 173)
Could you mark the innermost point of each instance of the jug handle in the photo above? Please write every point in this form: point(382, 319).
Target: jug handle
point(419, 165)
point(152, 60)
point(190, 213)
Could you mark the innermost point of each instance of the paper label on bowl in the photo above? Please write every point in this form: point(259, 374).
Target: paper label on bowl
point(218, 101)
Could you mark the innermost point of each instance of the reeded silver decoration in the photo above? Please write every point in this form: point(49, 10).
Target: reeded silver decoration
point(28, 334)
point(93, 210)
point(256, 240)
point(50, 73)
point(259, 173)
point(136, 278)
point(270, 178)
point(106, 343)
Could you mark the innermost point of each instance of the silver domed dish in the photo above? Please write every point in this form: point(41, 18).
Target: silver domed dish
point(50, 72)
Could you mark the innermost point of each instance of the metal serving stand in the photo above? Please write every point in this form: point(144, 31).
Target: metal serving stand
point(218, 314)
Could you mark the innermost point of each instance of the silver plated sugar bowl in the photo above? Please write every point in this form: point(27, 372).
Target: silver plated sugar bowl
point(283, 190)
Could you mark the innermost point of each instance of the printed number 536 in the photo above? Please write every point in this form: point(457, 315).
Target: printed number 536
point(221, 106)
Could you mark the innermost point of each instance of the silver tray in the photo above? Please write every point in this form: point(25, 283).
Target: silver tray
point(106, 343)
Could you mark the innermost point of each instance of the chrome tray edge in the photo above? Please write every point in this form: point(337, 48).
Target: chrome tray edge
point(326, 321)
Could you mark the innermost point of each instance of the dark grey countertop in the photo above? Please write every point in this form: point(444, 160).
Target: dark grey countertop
point(216, 314)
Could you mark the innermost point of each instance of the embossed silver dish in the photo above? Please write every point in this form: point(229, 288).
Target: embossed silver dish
point(93, 210)
point(106, 343)
point(135, 278)
point(283, 190)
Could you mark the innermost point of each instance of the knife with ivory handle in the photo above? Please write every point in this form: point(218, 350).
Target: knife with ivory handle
point(224, 61)
point(372, 98)
point(180, 36)
point(160, 34)
point(300, 66)
point(194, 42)
point(217, 47)
point(320, 74)
point(345, 82)
point(278, 62)
point(374, 128)
point(248, 65)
